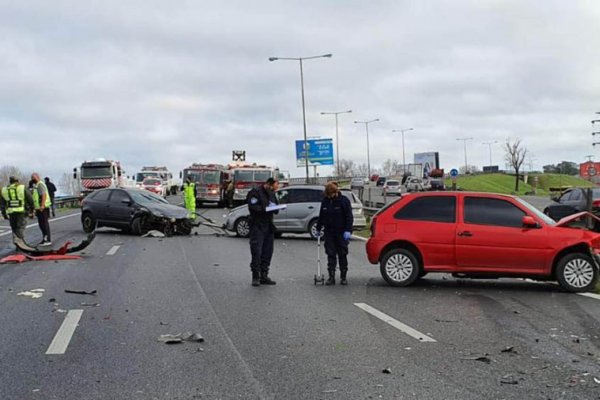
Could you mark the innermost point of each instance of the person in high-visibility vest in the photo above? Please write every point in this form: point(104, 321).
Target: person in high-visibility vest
point(42, 203)
point(15, 203)
point(189, 197)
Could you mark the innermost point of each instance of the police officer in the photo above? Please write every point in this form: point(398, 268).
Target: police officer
point(262, 230)
point(189, 197)
point(42, 204)
point(336, 217)
point(15, 202)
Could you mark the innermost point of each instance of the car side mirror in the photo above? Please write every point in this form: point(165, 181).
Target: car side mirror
point(529, 222)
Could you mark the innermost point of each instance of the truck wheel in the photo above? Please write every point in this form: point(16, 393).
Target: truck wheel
point(576, 272)
point(242, 227)
point(399, 267)
point(88, 222)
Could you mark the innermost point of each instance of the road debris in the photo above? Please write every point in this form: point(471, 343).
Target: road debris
point(52, 300)
point(181, 337)
point(91, 292)
point(90, 304)
point(509, 380)
point(33, 293)
point(445, 320)
point(329, 391)
point(154, 233)
point(387, 371)
point(509, 349)
point(597, 380)
point(484, 359)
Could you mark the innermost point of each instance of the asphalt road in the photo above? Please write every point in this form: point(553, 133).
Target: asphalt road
point(294, 340)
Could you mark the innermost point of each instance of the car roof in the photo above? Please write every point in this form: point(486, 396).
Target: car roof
point(461, 193)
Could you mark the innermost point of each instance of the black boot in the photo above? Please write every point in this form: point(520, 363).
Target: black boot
point(255, 279)
point(343, 280)
point(331, 280)
point(265, 280)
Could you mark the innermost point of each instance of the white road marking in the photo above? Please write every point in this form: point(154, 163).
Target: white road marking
point(52, 220)
point(395, 323)
point(591, 295)
point(112, 250)
point(65, 333)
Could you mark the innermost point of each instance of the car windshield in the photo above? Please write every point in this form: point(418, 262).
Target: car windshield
point(211, 176)
point(96, 172)
point(152, 181)
point(143, 175)
point(251, 176)
point(536, 212)
point(146, 198)
point(392, 183)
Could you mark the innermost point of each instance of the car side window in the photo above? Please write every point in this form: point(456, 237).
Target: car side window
point(301, 196)
point(283, 196)
point(575, 195)
point(117, 196)
point(484, 211)
point(566, 196)
point(434, 209)
point(101, 195)
point(316, 196)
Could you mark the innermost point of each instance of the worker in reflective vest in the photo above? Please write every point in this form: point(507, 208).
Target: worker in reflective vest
point(189, 197)
point(15, 202)
point(42, 203)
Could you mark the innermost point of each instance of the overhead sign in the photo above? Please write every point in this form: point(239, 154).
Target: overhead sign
point(320, 152)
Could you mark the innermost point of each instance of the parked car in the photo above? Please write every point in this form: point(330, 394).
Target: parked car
point(155, 186)
point(133, 210)
point(392, 187)
point(572, 201)
point(300, 216)
point(415, 184)
point(381, 181)
point(357, 183)
point(480, 235)
point(436, 184)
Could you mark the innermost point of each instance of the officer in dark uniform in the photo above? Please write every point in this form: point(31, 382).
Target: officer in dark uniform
point(262, 230)
point(337, 219)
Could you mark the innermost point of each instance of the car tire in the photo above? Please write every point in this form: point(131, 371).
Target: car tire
point(399, 267)
point(312, 229)
point(242, 227)
point(576, 272)
point(137, 227)
point(88, 222)
point(184, 227)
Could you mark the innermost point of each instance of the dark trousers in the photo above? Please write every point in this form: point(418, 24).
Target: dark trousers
point(52, 207)
point(261, 248)
point(43, 217)
point(18, 222)
point(336, 249)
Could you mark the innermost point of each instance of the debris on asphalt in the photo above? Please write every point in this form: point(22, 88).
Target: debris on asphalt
point(597, 380)
point(91, 292)
point(484, 359)
point(52, 300)
point(387, 371)
point(60, 310)
point(445, 320)
point(215, 264)
point(181, 337)
point(163, 323)
point(509, 349)
point(329, 391)
point(90, 304)
point(170, 339)
point(516, 312)
point(155, 234)
point(509, 380)
point(192, 337)
point(33, 293)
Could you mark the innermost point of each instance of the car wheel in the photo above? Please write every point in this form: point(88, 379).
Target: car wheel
point(184, 227)
point(88, 222)
point(312, 229)
point(137, 226)
point(576, 272)
point(242, 227)
point(399, 267)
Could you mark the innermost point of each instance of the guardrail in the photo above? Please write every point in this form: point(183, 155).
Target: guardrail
point(66, 201)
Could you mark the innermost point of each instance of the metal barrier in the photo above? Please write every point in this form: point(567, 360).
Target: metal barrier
point(320, 180)
point(66, 201)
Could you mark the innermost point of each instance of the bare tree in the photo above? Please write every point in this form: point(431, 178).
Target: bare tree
point(346, 167)
point(360, 169)
point(67, 185)
point(7, 171)
point(470, 169)
point(390, 167)
point(515, 156)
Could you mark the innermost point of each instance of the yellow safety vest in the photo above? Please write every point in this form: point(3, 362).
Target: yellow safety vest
point(14, 195)
point(36, 196)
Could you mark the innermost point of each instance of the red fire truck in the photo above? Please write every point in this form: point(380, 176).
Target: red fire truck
point(248, 176)
point(210, 182)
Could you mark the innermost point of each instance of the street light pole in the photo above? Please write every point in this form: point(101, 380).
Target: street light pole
point(465, 143)
point(337, 142)
point(368, 153)
point(300, 59)
point(490, 148)
point(403, 158)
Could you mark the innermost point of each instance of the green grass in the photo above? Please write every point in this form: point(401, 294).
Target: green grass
point(501, 183)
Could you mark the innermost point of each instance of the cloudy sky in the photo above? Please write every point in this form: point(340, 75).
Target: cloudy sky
point(174, 82)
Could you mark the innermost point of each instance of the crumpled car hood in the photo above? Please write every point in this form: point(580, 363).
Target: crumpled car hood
point(167, 210)
point(564, 222)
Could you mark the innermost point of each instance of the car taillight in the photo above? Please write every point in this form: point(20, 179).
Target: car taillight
point(156, 183)
point(596, 203)
point(373, 221)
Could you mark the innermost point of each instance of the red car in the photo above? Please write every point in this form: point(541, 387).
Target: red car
point(481, 235)
point(155, 186)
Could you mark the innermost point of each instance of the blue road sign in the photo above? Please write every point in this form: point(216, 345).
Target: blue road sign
point(453, 172)
point(320, 152)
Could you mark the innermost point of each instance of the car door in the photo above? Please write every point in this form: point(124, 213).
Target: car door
point(120, 207)
point(97, 204)
point(280, 219)
point(302, 208)
point(490, 237)
point(563, 206)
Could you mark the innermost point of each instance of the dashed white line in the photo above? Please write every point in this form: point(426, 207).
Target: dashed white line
point(65, 333)
point(112, 250)
point(395, 323)
point(52, 220)
point(591, 295)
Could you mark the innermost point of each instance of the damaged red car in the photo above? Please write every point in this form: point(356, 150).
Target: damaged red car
point(482, 235)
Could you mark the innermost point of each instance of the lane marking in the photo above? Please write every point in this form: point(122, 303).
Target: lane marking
point(65, 333)
point(32, 225)
point(590, 295)
point(112, 250)
point(395, 323)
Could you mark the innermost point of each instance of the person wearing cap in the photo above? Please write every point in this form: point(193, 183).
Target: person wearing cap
point(336, 218)
point(51, 191)
point(262, 230)
point(15, 202)
point(42, 204)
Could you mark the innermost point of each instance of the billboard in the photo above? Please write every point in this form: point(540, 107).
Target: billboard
point(320, 152)
point(589, 169)
point(429, 161)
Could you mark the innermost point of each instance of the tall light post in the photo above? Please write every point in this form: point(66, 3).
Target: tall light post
point(403, 158)
point(368, 154)
point(489, 144)
point(337, 141)
point(465, 143)
point(300, 59)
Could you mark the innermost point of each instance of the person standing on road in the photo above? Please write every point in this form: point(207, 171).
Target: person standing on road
point(336, 218)
point(15, 202)
point(229, 191)
point(51, 191)
point(262, 230)
point(189, 197)
point(42, 204)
